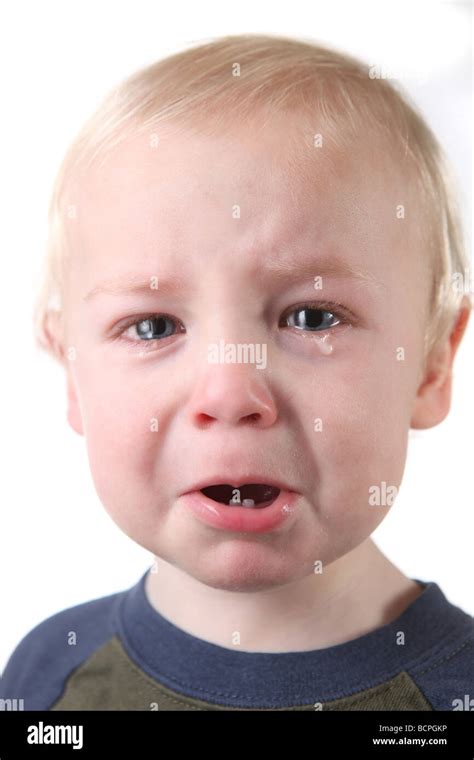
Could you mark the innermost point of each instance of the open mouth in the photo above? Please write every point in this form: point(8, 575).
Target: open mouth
point(248, 495)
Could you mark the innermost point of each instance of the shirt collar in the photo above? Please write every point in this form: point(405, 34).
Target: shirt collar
point(197, 668)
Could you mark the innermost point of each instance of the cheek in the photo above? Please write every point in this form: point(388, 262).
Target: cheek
point(122, 434)
point(360, 412)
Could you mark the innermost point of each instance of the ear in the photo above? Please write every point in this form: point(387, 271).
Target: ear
point(74, 415)
point(433, 398)
point(55, 343)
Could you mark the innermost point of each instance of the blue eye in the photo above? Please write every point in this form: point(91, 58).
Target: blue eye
point(155, 327)
point(314, 317)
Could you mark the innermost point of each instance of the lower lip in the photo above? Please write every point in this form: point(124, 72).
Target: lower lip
point(241, 519)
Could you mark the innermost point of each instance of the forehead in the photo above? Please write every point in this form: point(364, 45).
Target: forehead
point(237, 201)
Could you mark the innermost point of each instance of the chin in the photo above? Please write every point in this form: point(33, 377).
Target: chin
point(241, 583)
point(246, 569)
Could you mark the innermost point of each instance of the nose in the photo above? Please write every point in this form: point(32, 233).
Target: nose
point(235, 395)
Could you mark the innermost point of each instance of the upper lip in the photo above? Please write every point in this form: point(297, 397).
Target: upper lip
point(238, 480)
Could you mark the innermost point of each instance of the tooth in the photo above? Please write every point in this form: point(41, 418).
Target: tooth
point(248, 503)
point(233, 503)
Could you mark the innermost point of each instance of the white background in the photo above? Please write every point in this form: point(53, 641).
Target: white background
point(58, 59)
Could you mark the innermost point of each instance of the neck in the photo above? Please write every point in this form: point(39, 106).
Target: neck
point(344, 602)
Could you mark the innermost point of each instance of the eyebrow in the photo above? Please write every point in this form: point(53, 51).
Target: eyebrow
point(134, 284)
point(294, 268)
point(290, 270)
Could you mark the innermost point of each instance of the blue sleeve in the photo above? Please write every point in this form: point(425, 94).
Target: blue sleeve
point(38, 668)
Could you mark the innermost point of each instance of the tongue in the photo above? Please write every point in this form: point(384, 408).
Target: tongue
point(261, 493)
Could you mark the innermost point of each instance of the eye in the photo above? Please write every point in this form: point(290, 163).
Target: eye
point(146, 331)
point(315, 317)
point(155, 327)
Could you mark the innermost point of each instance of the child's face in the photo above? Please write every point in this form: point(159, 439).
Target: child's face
point(172, 212)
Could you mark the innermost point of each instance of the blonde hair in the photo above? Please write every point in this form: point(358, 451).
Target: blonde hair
point(231, 79)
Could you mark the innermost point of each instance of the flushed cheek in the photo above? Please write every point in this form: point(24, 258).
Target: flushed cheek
point(123, 434)
point(356, 414)
point(359, 457)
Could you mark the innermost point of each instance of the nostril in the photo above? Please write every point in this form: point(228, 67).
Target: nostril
point(253, 417)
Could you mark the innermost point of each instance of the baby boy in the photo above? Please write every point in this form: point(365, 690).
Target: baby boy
point(250, 288)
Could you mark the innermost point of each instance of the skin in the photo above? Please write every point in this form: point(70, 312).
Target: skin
point(167, 212)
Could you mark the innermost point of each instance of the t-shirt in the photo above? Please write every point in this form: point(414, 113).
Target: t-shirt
point(118, 652)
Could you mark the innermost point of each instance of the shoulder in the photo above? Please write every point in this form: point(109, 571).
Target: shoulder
point(446, 675)
point(36, 670)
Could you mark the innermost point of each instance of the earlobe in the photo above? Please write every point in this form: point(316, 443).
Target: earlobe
point(74, 415)
point(433, 399)
point(54, 332)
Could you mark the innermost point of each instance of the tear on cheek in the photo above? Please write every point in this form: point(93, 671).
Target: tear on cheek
point(324, 344)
